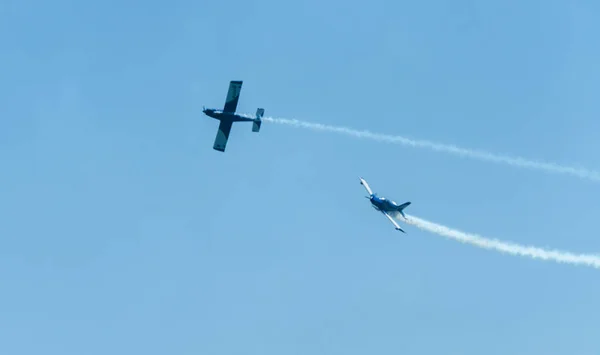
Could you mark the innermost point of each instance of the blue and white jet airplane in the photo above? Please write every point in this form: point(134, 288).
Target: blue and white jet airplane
point(227, 116)
point(384, 205)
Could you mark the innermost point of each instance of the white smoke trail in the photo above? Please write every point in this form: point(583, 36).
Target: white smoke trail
point(505, 247)
point(475, 154)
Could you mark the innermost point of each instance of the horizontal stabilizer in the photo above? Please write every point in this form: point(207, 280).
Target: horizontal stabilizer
point(257, 122)
point(402, 207)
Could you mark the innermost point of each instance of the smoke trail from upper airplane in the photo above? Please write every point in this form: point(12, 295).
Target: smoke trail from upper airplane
point(451, 149)
point(505, 247)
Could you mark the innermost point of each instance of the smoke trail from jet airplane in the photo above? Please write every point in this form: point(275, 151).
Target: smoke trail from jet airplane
point(446, 148)
point(460, 236)
point(504, 247)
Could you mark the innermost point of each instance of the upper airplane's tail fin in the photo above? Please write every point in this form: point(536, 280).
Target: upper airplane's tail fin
point(402, 207)
point(256, 125)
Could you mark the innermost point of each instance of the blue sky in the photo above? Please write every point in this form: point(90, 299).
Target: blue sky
point(123, 231)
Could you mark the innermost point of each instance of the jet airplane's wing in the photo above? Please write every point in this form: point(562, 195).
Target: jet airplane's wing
point(222, 136)
point(233, 95)
point(394, 222)
point(364, 183)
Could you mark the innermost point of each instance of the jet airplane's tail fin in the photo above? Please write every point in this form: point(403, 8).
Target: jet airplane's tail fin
point(402, 207)
point(257, 122)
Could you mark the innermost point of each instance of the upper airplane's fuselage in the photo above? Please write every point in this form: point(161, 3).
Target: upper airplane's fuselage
point(225, 116)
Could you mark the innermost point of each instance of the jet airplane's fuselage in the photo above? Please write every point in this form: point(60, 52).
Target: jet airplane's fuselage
point(226, 116)
point(383, 204)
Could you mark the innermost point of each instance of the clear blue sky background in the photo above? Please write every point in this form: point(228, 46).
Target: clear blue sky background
point(122, 231)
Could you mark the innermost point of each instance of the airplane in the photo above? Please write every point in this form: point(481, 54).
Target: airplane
point(384, 205)
point(227, 116)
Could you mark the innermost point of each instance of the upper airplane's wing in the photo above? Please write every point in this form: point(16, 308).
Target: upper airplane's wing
point(364, 183)
point(233, 95)
point(394, 222)
point(222, 136)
